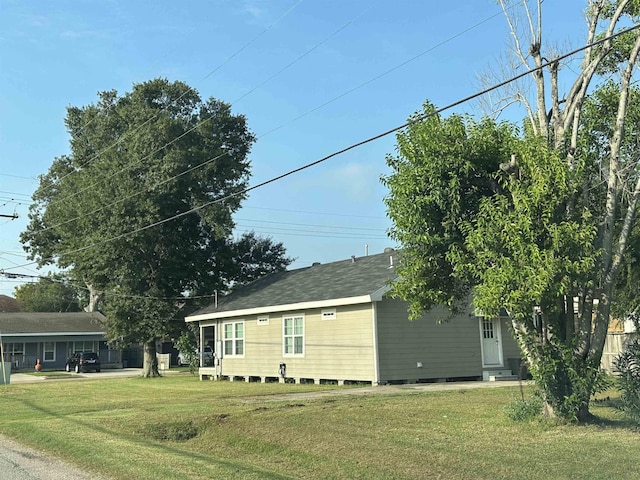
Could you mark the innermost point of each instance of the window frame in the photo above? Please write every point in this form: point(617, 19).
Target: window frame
point(45, 351)
point(234, 339)
point(293, 335)
point(83, 344)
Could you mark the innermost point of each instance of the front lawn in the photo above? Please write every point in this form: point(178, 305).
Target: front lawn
point(180, 428)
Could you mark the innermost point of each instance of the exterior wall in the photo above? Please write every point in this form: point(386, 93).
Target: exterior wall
point(334, 349)
point(445, 350)
point(614, 345)
point(34, 349)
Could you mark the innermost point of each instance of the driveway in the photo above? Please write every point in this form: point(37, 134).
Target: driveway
point(18, 462)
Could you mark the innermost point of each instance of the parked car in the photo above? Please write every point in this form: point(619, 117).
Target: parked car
point(83, 362)
point(207, 355)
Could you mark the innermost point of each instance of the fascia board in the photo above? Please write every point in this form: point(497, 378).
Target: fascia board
point(378, 294)
point(50, 334)
point(336, 302)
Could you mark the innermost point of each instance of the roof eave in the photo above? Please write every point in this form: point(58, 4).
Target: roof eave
point(334, 302)
point(49, 334)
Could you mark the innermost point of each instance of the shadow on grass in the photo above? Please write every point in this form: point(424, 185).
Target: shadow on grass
point(237, 466)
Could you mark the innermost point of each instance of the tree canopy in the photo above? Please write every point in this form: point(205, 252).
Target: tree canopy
point(141, 208)
point(538, 220)
point(52, 294)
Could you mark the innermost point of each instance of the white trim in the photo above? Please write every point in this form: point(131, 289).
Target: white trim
point(376, 363)
point(336, 302)
point(234, 339)
point(47, 334)
point(293, 316)
point(497, 333)
point(44, 352)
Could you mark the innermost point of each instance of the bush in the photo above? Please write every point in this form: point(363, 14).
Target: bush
point(628, 365)
point(525, 409)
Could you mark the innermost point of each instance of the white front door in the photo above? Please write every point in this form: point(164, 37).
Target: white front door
point(491, 339)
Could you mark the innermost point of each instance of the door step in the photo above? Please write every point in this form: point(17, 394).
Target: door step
point(502, 378)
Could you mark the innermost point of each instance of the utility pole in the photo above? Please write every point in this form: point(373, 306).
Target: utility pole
point(12, 216)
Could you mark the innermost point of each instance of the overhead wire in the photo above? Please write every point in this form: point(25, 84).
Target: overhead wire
point(213, 159)
point(206, 162)
point(415, 119)
point(227, 60)
point(206, 119)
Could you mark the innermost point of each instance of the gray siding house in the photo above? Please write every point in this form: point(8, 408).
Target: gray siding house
point(334, 322)
point(52, 338)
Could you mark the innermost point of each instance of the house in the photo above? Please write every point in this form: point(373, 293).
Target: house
point(334, 322)
point(52, 338)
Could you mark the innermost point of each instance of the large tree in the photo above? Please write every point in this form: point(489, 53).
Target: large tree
point(50, 294)
point(141, 208)
point(535, 221)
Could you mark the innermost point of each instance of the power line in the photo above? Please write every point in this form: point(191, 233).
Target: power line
point(231, 57)
point(385, 73)
point(371, 80)
point(310, 233)
point(200, 123)
point(314, 213)
point(415, 119)
point(341, 227)
point(129, 133)
point(206, 162)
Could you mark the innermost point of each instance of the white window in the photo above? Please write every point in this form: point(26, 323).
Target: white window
point(86, 346)
point(233, 338)
point(293, 335)
point(329, 314)
point(264, 320)
point(49, 352)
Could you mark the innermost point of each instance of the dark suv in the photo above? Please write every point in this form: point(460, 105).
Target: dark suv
point(83, 362)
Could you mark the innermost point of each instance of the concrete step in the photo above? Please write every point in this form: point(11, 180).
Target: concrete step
point(502, 378)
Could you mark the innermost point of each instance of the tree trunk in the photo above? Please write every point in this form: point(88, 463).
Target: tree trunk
point(95, 298)
point(150, 366)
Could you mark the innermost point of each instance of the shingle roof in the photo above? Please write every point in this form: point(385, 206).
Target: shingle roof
point(343, 279)
point(16, 323)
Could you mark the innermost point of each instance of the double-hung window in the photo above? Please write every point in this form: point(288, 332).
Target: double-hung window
point(293, 335)
point(234, 338)
point(49, 352)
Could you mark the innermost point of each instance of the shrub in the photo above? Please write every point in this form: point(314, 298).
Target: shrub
point(524, 410)
point(628, 365)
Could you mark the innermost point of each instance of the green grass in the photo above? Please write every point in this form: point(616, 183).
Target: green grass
point(180, 428)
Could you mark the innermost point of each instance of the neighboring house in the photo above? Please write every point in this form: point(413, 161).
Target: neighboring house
point(9, 304)
point(334, 322)
point(52, 338)
point(619, 334)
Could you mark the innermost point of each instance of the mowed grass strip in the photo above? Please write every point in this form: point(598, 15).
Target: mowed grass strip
point(178, 427)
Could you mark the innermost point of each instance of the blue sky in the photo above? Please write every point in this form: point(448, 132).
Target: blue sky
point(276, 68)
